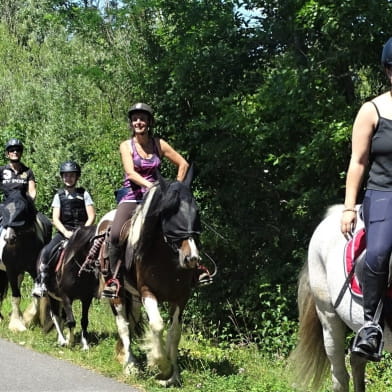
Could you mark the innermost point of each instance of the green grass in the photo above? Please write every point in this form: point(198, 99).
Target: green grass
point(204, 366)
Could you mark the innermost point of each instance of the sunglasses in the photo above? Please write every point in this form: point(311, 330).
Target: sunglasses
point(15, 149)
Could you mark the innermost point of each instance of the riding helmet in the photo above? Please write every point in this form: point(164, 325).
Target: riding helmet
point(386, 56)
point(13, 143)
point(141, 107)
point(70, 167)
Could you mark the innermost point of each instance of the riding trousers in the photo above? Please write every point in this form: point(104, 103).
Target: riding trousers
point(125, 210)
point(377, 215)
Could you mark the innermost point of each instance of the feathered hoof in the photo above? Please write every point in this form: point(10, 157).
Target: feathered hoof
point(173, 381)
point(131, 369)
point(17, 325)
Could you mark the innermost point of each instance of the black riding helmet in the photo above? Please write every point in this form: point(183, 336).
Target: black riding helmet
point(141, 107)
point(70, 167)
point(13, 143)
point(386, 56)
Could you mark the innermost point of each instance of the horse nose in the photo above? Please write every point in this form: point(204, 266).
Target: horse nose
point(192, 261)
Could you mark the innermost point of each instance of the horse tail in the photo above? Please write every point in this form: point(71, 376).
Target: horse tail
point(308, 361)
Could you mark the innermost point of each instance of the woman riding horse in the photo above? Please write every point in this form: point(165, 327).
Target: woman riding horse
point(15, 175)
point(25, 232)
point(161, 258)
point(371, 143)
point(141, 157)
point(72, 208)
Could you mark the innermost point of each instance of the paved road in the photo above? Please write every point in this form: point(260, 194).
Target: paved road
point(24, 370)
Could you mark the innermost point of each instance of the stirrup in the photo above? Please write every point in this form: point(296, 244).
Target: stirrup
point(361, 340)
point(111, 288)
point(204, 279)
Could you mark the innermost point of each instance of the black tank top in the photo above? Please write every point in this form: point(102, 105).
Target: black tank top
point(380, 162)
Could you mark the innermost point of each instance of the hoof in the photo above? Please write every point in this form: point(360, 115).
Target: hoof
point(17, 326)
point(131, 370)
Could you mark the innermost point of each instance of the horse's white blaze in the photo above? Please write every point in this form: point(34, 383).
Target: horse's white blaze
point(194, 250)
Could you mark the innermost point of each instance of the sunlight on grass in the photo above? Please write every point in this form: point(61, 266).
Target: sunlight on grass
point(204, 366)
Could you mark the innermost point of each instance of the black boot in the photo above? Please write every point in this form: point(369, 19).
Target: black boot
point(368, 342)
point(112, 285)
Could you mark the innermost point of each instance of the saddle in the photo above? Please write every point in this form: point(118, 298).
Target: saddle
point(354, 259)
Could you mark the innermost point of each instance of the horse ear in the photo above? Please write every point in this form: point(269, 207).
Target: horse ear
point(189, 176)
point(162, 182)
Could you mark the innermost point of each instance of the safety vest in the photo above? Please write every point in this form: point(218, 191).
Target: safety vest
point(73, 212)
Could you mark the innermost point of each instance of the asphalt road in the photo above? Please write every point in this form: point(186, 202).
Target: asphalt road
point(24, 370)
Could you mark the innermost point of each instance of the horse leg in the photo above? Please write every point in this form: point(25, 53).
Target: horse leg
point(16, 320)
point(334, 332)
point(3, 289)
point(358, 366)
point(84, 322)
point(16, 323)
point(31, 312)
point(156, 354)
point(55, 310)
point(69, 320)
point(172, 342)
point(126, 358)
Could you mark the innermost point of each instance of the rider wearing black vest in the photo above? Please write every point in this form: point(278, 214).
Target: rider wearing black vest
point(15, 176)
point(72, 208)
point(73, 212)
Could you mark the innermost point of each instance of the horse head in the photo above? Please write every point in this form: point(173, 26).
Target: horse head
point(180, 219)
point(18, 212)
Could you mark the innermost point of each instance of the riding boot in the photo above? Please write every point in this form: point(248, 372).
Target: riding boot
point(112, 285)
point(368, 342)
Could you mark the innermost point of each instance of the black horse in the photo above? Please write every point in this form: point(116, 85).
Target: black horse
point(161, 259)
point(25, 231)
point(77, 276)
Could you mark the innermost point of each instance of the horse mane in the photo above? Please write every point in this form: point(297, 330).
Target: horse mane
point(43, 227)
point(144, 221)
point(337, 208)
point(80, 239)
point(331, 210)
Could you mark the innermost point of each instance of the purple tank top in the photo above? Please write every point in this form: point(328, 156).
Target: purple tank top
point(146, 167)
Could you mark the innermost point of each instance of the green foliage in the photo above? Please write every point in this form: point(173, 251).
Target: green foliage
point(261, 104)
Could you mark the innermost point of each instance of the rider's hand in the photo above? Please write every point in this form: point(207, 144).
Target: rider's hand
point(348, 222)
point(67, 233)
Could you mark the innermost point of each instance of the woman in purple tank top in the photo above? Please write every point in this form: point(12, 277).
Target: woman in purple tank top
point(141, 157)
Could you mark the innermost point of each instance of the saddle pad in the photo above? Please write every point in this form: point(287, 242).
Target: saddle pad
point(354, 249)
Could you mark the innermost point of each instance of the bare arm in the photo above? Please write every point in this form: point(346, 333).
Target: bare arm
point(32, 189)
point(363, 128)
point(177, 159)
point(90, 215)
